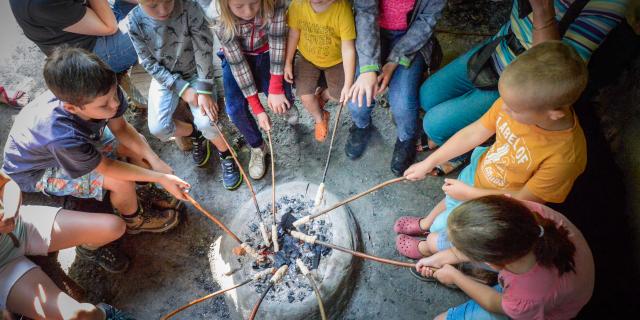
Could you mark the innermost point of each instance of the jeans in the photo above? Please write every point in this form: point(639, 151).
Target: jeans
point(237, 106)
point(450, 100)
point(403, 92)
point(117, 49)
point(471, 310)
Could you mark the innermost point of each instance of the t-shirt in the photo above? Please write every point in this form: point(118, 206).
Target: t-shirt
point(45, 135)
point(321, 34)
point(545, 162)
point(394, 14)
point(541, 293)
point(43, 22)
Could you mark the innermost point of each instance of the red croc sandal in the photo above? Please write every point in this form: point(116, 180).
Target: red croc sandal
point(409, 225)
point(408, 246)
point(18, 100)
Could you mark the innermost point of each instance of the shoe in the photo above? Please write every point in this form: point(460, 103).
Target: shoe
point(109, 258)
point(322, 128)
point(201, 150)
point(151, 221)
point(184, 143)
point(404, 153)
point(293, 115)
point(357, 141)
point(112, 313)
point(257, 167)
point(159, 198)
point(231, 176)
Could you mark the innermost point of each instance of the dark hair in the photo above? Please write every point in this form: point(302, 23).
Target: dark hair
point(77, 76)
point(500, 230)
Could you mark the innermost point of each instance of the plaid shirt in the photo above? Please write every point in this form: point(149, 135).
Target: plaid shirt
point(255, 37)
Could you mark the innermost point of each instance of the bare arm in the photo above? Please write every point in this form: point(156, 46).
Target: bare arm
point(98, 20)
point(130, 138)
point(545, 26)
point(349, 61)
point(487, 297)
point(292, 45)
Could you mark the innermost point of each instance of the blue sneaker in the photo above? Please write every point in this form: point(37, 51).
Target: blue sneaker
point(231, 176)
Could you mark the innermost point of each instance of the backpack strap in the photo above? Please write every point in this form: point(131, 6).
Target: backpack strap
point(572, 13)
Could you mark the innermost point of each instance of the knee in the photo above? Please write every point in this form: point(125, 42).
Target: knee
point(162, 131)
point(307, 98)
point(115, 227)
point(119, 186)
point(432, 126)
point(203, 124)
point(441, 316)
point(432, 242)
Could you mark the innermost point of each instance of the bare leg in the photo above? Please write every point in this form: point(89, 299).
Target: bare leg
point(429, 246)
point(441, 316)
point(183, 129)
point(133, 157)
point(73, 228)
point(123, 195)
point(312, 104)
point(219, 143)
point(426, 222)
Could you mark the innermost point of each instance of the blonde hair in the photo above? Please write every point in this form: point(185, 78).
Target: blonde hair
point(227, 19)
point(549, 75)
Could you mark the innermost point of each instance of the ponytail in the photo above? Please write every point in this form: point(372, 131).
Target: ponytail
point(553, 248)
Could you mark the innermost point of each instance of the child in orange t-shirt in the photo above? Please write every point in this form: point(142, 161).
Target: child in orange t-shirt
point(539, 150)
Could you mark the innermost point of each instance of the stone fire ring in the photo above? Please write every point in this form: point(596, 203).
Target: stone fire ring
point(335, 276)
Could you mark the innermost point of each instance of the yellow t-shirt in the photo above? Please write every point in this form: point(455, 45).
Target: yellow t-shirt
point(545, 162)
point(321, 34)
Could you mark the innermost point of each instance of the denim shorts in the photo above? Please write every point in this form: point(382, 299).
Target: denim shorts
point(471, 310)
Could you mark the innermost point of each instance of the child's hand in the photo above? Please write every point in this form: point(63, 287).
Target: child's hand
point(263, 121)
point(208, 107)
point(458, 190)
point(175, 186)
point(278, 103)
point(426, 266)
point(344, 94)
point(447, 274)
point(420, 170)
point(288, 72)
point(385, 76)
point(190, 96)
point(6, 225)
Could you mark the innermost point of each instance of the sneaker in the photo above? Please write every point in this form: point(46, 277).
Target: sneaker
point(257, 167)
point(201, 150)
point(292, 115)
point(112, 313)
point(322, 128)
point(404, 153)
point(109, 258)
point(231, 176)
point(151, 221)
point(357, 141)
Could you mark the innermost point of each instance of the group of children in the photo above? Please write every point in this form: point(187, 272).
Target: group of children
point(76, 142)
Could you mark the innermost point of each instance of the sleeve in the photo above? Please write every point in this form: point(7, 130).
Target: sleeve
point(418, 34)
point(57, 13)
point(553, 180)
point(593, 25)
point(292, 15)
point(75, 157)
point(277, 43)
point(488, 120)
point(368, 40)
point(202, 38)
point(161, 74)
point(348, 24)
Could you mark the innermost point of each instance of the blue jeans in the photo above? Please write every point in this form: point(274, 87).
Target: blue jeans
point(117, 49)
point(403, 92)
point(471, 310)
point(237, 106)
point(450, 100)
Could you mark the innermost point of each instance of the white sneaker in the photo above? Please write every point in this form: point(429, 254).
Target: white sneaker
point(292, 115)
point(257, 166)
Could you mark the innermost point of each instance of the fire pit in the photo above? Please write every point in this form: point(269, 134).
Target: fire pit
point(293, 298)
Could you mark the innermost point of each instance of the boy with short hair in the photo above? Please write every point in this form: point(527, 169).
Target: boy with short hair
point(67, 143)
point(539, 151)
point(175, 44)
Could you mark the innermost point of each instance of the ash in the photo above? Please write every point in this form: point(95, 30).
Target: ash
point(294, 287)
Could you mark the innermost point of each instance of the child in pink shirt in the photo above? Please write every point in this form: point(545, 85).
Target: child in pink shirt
point(546, 269)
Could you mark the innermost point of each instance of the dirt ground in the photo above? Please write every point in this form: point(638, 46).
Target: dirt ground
point(171, 269)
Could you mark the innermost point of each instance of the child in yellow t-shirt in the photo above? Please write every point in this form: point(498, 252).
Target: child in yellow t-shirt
point(539, 151)
point(324, 33)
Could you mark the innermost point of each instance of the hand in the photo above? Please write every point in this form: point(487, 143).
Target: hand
point(447, 274)
point(263, 121)
point(6, 225)
point(175, 186)
point(384, 77)
point(190, 96)
point(344, 94)
point(288, 72)
point(364, 88)
point(458, 190)
point(420, 170)
point(427, 266)
point(208, 107)
point(278, 103)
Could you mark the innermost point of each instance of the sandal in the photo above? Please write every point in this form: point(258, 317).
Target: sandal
point(450, 166)
point(408, 246)
point(410, 226)
point(322, 128)
point(424, 144)
point(17, 101)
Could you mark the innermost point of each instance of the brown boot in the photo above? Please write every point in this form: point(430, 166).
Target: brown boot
point(151, 221)
point(158, 198)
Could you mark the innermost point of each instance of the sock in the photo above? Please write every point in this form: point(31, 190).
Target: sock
point(224, 154)
point(129, 218)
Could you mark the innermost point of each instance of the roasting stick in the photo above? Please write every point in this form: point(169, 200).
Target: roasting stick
point(320, 192)
point(311, 217)
point(274, 279)
point(306, 273)
point(274, 227)
point(263, 228)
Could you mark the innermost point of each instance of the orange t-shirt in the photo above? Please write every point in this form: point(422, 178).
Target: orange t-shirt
point(545, 162)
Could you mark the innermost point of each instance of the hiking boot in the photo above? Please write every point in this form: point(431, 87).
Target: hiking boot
point(292, 115)
point(112, 313)
point(159, 198)
point(151, 221)
point(257, 167)
point(357, 141)
point(231, 176)
point(201, 150)
point(109, 258)
point(404, 153)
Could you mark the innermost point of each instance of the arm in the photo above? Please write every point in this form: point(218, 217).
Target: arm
point(202, 39)
point(349, 66)
point(132, 140)
point(487, 297)
point(276, 100)
point(98, 20)
point(292, 45)
point(368, 40)
point(463, 192)
point(545, 26)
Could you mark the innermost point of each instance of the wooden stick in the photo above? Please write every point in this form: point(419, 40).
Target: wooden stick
point(367, 256)
point(212, 218)
point(274, 228)
point(209, 296)
point(333, 136)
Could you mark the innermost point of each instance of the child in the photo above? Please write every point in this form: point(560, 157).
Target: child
point(63, 144)
point(546, 270)
point(324, 33)
point(174, 44)
point(252, 35)
point(24, 288)
point(539, 150)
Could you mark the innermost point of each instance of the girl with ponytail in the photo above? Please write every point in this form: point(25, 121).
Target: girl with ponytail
point(545, 266)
